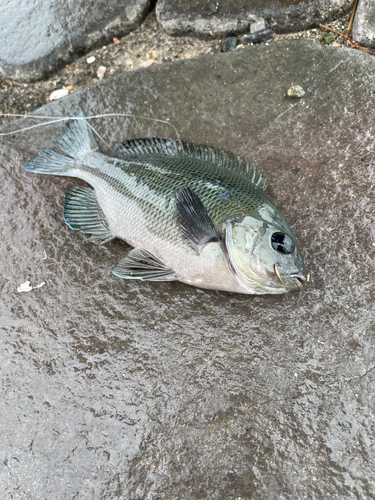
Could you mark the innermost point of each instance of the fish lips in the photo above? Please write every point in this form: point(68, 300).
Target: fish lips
point(298, 279)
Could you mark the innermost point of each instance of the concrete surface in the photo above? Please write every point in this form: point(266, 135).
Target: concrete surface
point(363, 31)
point(37, 37)
point(221, 18)
point(116, 389)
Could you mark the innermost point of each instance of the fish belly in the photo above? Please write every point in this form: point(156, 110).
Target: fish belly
point(209, 270)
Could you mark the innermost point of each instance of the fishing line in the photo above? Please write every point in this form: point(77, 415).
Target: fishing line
point(54, 119)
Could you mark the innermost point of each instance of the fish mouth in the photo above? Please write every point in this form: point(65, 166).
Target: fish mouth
point(299, 279)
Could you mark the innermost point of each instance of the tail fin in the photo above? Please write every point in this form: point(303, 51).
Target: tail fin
point(75, 140)
point(49, 162)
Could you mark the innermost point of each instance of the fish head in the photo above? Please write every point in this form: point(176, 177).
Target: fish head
point(264, 255)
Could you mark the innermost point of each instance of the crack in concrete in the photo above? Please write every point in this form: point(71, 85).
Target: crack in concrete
point(366, 372)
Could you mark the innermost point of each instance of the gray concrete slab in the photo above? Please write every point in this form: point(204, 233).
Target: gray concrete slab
point(221, 18)
point(116, 389)
point(363, 31)
point(37, 37)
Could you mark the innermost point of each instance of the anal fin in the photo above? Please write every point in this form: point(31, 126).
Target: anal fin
point(139, 264)
point(82, 212)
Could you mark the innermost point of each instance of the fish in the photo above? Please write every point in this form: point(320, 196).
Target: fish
point(195, 214)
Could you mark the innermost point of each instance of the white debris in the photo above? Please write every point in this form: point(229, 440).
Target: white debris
point(25, 287)
point(148, 63)
point(58, 94)
point(101, 72)
point(40, 285)
point(45, 255)
point(90, 59)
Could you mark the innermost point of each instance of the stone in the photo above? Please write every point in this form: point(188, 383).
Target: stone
point(363, 30)
point(257, 26)
point(101, 72)
point(39, 36)
point(148, 63)
point(230, 43)
point(220, 18)
point(258, 37)
point(296, 91)
point(58, 94)
point(123, 389)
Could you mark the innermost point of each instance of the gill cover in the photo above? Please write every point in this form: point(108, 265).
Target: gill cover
point(264, 256)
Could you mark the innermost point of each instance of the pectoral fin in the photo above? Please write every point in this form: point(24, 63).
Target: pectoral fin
point(82, 212)
point(139, 264)
point(195, 222)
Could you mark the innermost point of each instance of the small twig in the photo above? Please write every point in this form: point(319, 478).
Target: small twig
point(11, 82)
point(355, 45)
point(352, 18)
point(331, 29)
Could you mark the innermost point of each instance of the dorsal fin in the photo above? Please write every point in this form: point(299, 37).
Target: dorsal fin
point(218, 157)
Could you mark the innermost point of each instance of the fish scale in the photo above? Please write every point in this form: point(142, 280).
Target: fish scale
point(162, 177)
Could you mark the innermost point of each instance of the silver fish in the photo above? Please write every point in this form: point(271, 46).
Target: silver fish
point(192, 213)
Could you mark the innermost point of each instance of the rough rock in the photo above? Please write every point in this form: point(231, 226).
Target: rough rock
point(118, 389)
point(40, 36)
point(258, 37)
point(296, 91)
point(230, 43)
point(220, 18)
point(363, 31)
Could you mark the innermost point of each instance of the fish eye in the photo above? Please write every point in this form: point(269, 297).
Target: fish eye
point(282, 243)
